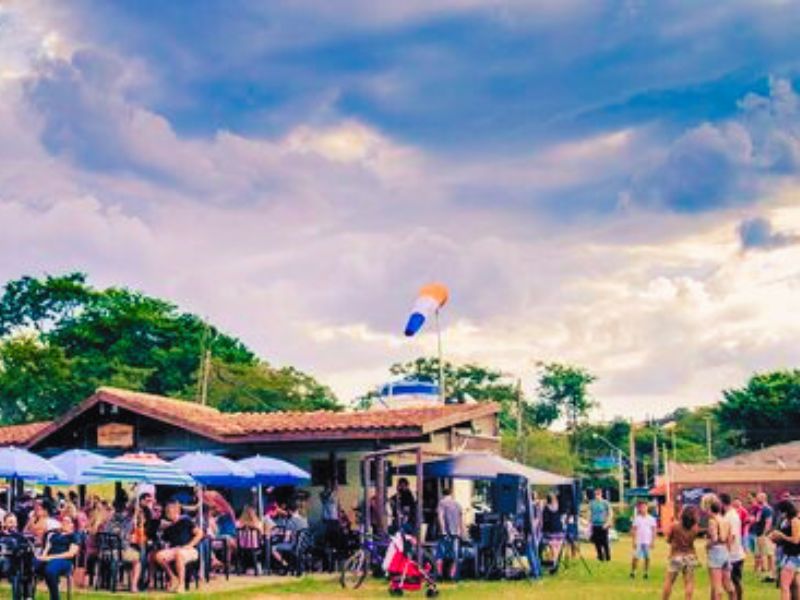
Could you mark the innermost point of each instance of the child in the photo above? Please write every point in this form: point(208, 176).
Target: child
point(644, 536)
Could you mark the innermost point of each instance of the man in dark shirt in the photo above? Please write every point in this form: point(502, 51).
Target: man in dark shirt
point(404, 507)
point(13, 543)
point(182, 537)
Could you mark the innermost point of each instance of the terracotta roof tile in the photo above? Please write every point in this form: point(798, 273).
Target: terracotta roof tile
point(233, 427)
point(18, 435)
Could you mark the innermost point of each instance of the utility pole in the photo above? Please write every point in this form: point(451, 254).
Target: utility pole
point(708, 440)
point(204, 367)
point(632, 454)
point(621, 476)
point(204, 381)
point(655, 449)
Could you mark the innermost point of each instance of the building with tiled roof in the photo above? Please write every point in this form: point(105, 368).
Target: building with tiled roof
point(775, 469)
point(327, 444)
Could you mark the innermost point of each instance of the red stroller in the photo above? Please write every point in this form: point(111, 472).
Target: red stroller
point(404, 573)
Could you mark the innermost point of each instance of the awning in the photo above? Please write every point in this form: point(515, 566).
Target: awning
point(481, 465)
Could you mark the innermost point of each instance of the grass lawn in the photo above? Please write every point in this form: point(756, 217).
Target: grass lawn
point(607, 581)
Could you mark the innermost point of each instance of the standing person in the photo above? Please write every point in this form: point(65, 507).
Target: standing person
point(744, 519)
point(59, 551)
point(788, 538)
point(735, 548)
point(644, 537)
point(451, 526)
point(182, 537)
point(682, 555)
point(330, 516)
point(765, 548)
point(717, 544)
point(552, 526)
point(601, 516)
point(404, 507)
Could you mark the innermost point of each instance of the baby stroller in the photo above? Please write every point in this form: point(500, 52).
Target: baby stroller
point(404, 573)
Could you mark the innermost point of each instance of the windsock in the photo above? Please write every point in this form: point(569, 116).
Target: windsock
point(431, 298)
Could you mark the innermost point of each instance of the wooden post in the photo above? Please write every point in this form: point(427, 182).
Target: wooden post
point(365, 468)
point(380, 493)
point(419, 505)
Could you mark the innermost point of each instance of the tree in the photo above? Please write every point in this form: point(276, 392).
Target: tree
point(468, 382)
point(36, 381)
point(563, 393)
point(262, 388)
point(766, 411)
point(62, 338)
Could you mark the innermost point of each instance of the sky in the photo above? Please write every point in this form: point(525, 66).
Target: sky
point(611, 184)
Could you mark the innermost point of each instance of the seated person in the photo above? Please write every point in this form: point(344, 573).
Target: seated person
point(222, 526)
point(40, 522)
point(451, 524)
point(121, 525)
point(56, 560)
point(182, 537)
point(292, 527)
point(12, 540)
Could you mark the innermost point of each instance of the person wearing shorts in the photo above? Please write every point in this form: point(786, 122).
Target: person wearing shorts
point(682, 556)
point(451, 526)
point(765, 548)
point(182, 537)
point(644, 536)
point(735, 546)
point(788, 538)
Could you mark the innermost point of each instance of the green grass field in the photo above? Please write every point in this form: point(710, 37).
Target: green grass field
point(607, 581)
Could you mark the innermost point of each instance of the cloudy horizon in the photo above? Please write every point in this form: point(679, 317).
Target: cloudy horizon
point(610, 184)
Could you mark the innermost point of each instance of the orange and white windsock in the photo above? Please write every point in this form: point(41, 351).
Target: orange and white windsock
point(431, 298)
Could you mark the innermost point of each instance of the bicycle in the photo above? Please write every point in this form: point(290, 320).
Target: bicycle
point(368, 556)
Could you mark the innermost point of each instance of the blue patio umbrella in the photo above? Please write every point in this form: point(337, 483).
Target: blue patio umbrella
point(73, 463)
point(210, 469)
point(18, 463)
point(141, 468)
point(273, 471)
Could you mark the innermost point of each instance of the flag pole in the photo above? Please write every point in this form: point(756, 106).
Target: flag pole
point(442, 395)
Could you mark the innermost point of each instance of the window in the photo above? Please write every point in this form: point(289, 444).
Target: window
point(321, 472)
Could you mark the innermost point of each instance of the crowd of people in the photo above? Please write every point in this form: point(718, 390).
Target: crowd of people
point(729, 530)
point(156, 542)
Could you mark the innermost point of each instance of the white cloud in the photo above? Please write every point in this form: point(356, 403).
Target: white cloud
point(310, 245)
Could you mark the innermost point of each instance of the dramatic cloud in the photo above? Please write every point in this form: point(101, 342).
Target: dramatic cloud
point(586, 191)
point(758, 234)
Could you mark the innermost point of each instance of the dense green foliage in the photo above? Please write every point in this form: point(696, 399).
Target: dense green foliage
point(60, 339)
point(765, 411)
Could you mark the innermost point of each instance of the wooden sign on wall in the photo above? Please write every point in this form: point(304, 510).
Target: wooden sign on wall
point(115, 435)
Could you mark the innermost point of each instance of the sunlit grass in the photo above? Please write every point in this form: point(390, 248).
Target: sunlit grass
point(606, 581)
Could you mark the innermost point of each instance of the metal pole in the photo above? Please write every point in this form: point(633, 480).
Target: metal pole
point(442, 394)
point(419, 506)
point(621, 476)
point(708, 440)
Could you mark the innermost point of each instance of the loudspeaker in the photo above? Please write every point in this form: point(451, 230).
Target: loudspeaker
point(508, 493)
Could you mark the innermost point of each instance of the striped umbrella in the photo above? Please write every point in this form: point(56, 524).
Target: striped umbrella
point(140, 467)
